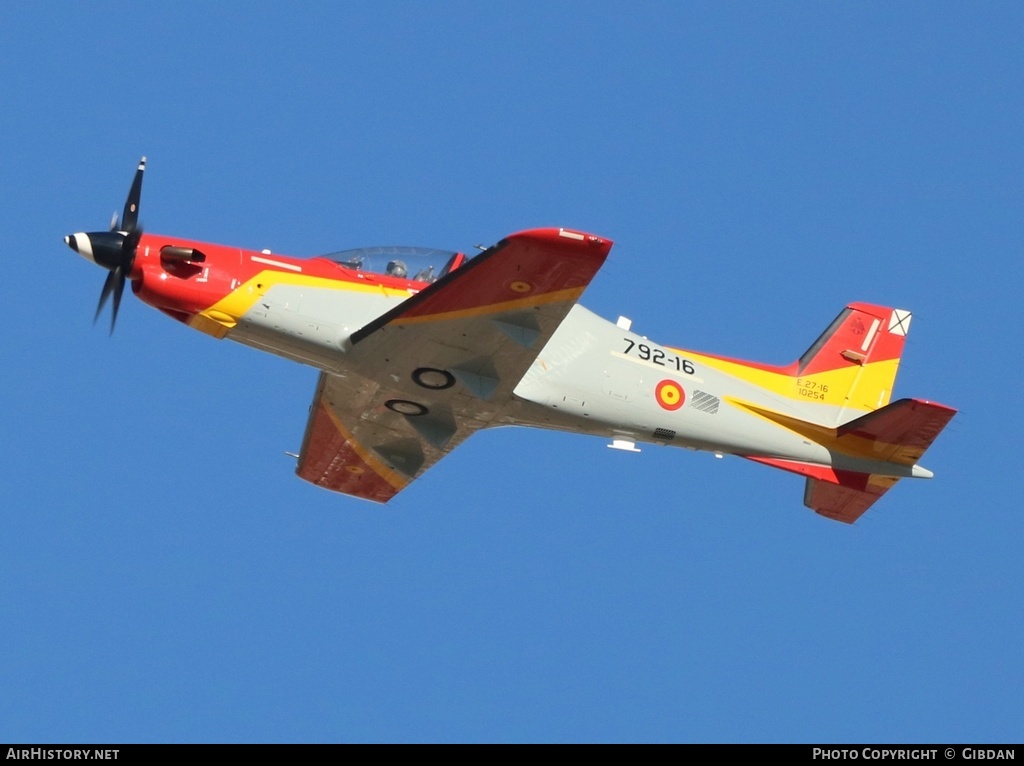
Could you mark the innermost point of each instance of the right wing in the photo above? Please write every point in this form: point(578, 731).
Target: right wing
point(421, 378)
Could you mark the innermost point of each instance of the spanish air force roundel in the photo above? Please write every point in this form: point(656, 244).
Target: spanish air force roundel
point(670, 395)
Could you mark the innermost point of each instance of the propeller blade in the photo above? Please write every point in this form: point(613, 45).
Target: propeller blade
point(113, 284)
point(130, 218)
point(108, 286)
point(118, 289)
point(131, 242)
point(114, 226)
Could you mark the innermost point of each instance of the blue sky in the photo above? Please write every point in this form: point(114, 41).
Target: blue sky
point(165, 577)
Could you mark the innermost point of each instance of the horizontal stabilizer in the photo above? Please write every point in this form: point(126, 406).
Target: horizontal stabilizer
point(834, 493)
point(842, 502)
point(897, 433)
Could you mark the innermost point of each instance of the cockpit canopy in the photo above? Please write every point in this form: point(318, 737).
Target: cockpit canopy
point(420, 264)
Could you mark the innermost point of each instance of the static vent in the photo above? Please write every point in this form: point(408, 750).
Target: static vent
point(705, 402)
point(664, 433)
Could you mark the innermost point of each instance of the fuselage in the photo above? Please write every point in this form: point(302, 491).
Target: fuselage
point(593, 376)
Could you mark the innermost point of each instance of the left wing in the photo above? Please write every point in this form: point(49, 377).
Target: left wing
point(443, 364)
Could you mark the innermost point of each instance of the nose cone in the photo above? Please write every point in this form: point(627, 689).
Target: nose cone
point(81, 244)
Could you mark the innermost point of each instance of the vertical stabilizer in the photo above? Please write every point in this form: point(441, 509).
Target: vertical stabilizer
point(853, 364)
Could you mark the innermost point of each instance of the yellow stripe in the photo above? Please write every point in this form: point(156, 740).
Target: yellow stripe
point(214, 326)
point(866, 387)
point(823, 435)
point(394, 478)
point(228, 310)
point(850, 444)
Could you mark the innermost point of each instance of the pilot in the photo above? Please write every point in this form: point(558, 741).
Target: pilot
point(397, 269)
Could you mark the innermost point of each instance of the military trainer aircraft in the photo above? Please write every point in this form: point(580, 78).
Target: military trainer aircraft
point(418, 349)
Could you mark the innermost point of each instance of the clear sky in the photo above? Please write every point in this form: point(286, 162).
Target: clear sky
point(165, 577)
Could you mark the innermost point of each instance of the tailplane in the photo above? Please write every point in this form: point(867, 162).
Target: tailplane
point(891, 440)
point(898, 433)
point(846, 502)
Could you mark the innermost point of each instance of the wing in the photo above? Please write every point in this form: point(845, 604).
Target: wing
point(441, 365)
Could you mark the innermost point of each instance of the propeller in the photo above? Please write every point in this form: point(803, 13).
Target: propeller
point(115, 249)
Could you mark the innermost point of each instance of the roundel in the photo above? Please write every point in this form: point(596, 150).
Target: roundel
point(429, 377)
point(405, 407)
point(670, 395)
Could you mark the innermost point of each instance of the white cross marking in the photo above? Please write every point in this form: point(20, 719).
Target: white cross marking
point(899, 322)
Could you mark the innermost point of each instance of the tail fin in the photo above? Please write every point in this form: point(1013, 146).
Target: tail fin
point(852, 366)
